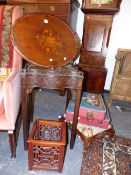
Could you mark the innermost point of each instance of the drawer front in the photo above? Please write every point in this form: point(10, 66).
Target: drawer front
point(29, 9)
point(54, 9)
point(38, 1)
point(48, 8)
point(61, 11)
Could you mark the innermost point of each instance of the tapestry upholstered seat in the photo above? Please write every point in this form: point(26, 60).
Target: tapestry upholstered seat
point(10, 82)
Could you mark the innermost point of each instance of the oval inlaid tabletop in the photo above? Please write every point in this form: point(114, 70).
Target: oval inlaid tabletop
point(44, 40)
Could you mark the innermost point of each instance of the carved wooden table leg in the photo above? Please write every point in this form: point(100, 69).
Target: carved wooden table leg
point(68, 97)
point(25, 116)
point(60, 78)
point(31, 105)
point(75, 118)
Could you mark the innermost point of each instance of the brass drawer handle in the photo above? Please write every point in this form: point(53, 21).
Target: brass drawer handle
point(52, 8)
point(100, 121)
point(89, 115)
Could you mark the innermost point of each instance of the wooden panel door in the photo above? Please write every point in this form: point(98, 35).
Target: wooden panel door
point(95, 39)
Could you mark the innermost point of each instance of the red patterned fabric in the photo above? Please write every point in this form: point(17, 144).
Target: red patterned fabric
point(6, 48)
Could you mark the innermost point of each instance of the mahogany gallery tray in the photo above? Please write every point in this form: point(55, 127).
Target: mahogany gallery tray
point(44, 40)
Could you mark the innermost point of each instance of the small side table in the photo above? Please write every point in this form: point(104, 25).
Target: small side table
point(46, 41)
point(53, 78)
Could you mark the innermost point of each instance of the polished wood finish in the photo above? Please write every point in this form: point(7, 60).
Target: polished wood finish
point(59, 78)
point(94, 78)
point(47, 136)
point(61, 9)
point(51, 78)
point(121, 81)
point(49, 43)
point(95, 39)
point(96, 35)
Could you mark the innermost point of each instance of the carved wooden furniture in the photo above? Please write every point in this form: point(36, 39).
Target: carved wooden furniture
point(55, 52)
point(45, 45)
point(121, 81)
point(59, 8)
point(96, 34)
point(58, 78)
point(47, 145)
point(109, 132)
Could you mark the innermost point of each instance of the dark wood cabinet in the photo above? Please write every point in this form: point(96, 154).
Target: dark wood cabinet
point(61, 9)
point(94, 78)
point(96, 35)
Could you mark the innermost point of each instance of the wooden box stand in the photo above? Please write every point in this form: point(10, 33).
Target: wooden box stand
point(47, 145)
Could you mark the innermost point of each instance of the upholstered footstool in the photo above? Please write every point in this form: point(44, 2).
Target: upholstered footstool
point(89, 133)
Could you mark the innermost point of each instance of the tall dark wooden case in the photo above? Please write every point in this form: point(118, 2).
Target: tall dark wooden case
point(96, 35)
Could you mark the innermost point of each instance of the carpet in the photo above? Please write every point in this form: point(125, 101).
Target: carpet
point(107, 157)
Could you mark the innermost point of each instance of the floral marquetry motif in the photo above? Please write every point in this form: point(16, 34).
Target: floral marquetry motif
point(48, 40)
point(49, 43)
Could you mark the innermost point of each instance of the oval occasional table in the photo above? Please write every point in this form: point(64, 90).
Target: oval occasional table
point(48, 44)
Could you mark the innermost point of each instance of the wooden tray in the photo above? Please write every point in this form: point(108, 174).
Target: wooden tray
point(44, 40)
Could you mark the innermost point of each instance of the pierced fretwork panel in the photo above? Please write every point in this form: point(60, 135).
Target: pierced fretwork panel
point(50, 133)
point(45, 157)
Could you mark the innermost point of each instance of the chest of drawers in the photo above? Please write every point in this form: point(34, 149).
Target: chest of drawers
point(59, 8)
